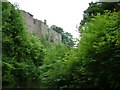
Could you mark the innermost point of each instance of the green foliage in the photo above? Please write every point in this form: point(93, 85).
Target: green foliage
point(98, 7)
point(57, 29)
point(55, 52)
point(67, 38)
point(22, 53)
point(93, 64)
point(56, 69)
point(98, 51)
point(7, 72)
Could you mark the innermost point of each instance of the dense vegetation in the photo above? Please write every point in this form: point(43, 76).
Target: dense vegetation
point(93, 64)
point(22, 54)
point(67, 38)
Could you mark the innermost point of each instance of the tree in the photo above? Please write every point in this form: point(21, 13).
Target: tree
point(67, 38)
point(98, 52)
point(57, 29)
point(22, 53)
point(98, 7)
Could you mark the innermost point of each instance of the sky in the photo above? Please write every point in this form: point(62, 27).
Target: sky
point(66, 14)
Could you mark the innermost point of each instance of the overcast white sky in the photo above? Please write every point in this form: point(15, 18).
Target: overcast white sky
point(62, 13)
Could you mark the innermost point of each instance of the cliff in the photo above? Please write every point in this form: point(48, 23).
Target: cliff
point(40, 28)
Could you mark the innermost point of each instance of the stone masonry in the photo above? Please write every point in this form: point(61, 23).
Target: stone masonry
point(40, 28)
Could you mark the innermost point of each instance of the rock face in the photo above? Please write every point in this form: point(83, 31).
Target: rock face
point(40, 28)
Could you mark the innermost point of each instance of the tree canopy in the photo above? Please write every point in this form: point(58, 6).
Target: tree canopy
point(21, 52)
point(98, 7)
point(93, 64)
point(67, 38)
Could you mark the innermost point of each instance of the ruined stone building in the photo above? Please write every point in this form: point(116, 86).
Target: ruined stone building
point(40, 28)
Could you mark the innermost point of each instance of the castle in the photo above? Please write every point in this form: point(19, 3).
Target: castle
point(40, 28)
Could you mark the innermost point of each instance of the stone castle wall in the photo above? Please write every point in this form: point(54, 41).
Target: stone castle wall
point(40, 28)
